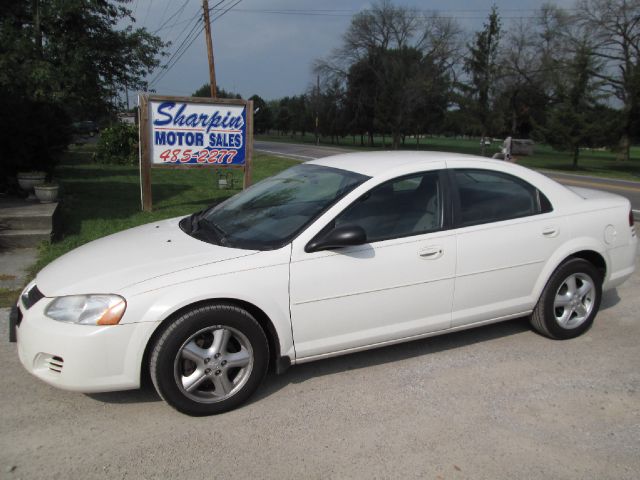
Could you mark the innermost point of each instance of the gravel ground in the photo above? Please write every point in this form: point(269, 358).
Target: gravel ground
point(494, 402)
point(14, 266)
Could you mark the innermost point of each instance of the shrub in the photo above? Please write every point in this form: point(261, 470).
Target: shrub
point(33, 135)
point(118, 144)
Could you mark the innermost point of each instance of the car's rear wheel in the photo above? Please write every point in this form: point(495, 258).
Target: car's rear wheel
point(570, 301)
point(209, 360)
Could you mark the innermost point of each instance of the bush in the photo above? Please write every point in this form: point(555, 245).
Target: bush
point(33, 135)
point(118, 145)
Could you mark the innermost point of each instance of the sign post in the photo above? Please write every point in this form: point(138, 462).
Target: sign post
point(190, 132)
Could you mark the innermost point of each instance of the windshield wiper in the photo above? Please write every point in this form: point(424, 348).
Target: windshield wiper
point(206, 225)
point(190, 224)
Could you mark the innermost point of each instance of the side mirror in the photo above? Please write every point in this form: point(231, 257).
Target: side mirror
point(344, 236)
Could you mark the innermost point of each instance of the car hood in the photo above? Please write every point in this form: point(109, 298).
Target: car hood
point(117, 261)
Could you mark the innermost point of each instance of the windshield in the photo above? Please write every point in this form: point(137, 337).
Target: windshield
point(272, 212)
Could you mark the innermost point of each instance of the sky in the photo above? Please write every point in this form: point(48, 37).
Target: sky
point(267, 47)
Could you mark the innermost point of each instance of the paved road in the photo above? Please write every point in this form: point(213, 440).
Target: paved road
point(497, 402)
point(629, 189)
point(298, 151)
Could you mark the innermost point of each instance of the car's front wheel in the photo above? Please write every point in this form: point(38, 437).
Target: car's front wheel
point(209, 360)
point(570, 300)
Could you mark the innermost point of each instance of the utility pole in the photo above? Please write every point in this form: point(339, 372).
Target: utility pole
point(212, 67)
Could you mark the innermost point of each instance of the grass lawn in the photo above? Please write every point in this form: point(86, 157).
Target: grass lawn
point(597, 163)
point(9, 297)
point(102, 199)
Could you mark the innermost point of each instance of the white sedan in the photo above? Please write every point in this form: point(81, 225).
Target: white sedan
point(329, 257)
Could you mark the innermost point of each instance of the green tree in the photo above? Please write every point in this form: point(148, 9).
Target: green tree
point(205, 92)
point(332, 118)
point(301, 116)
point(282, 120)
point(573, 122)
point(360, 99)
point(393, 65)
point(64, 59)
point(262, 118)
point(481, 66)
point(614, 26)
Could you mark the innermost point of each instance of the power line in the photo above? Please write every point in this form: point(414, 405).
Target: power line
point(177, 54)
point(180, 9)
point(344, 11)
point(175, 24)
point(223, 13)
point(461, 14)
point(188, 41)
point(147, 14)
point(187, 38)
point(196, 19)
point(166, 7)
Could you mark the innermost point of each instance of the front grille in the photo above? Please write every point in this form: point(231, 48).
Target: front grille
point(55, 364)
point(31, 297)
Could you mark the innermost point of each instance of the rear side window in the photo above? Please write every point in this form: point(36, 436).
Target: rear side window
point(487, 196)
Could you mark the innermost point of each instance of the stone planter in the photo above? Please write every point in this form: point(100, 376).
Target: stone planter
point(47, 192)
point(27, 180)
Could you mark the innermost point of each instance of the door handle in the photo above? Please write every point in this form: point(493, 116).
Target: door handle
point(551, 232)
point(431, 253)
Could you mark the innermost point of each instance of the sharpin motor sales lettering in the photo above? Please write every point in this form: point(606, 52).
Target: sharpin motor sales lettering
point(214, 134)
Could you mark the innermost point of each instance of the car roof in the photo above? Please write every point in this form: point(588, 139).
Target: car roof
point(387, 164)
point(376, 163)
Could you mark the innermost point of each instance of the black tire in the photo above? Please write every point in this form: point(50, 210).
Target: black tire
point(192, 348)
point(562, 322)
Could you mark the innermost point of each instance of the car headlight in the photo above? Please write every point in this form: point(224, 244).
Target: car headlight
point(87, 309)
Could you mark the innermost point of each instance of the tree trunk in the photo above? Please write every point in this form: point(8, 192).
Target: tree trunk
point(625, 147)
point(417, 141)
point(395, 141)
point(362, 140)
point(576, 154)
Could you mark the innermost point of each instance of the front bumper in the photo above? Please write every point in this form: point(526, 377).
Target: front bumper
point(81, 357)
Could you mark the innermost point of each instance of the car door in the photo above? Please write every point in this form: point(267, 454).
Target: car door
point(506, 232)
point(397, 285)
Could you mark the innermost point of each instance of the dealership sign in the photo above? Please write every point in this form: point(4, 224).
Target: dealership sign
point(192, 132)
point(197, 133)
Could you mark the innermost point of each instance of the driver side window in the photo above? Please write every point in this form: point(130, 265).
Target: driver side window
point(405, 206)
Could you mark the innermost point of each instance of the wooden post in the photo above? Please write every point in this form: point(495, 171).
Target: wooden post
point(212, 67)
point(145, 153)
point(248, 152)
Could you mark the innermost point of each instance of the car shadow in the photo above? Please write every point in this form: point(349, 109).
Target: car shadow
point(145, 394)
point(379, 356)
point(610, 299)
point(390, 354)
